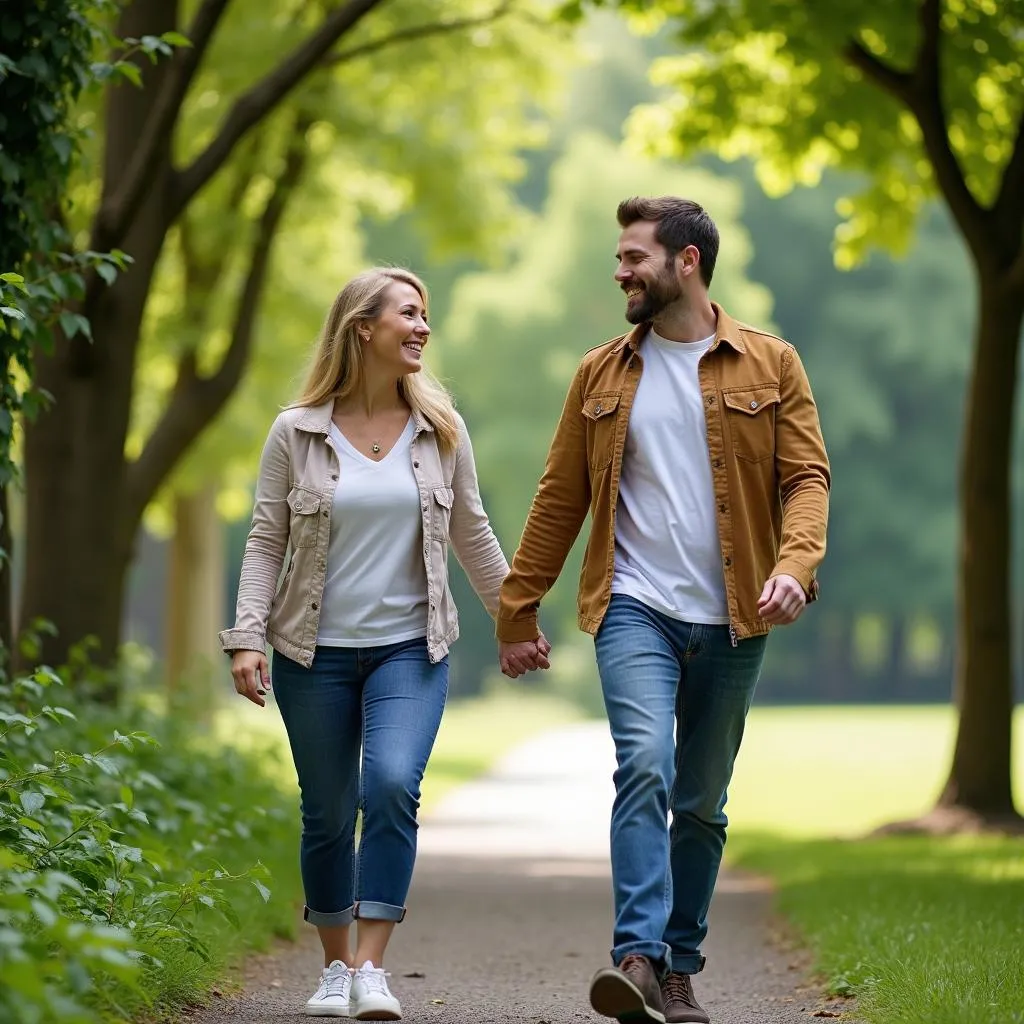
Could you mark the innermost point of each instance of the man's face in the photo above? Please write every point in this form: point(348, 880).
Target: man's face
point(646, 273)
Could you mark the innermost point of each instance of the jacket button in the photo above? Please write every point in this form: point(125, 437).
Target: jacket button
point(597, 409)
point(721, 507)
point(718, 463)
point(325, 514)
point(415, 465)
point(334, 476)
point(753, 405)
point(728, 562)
point(298, 506)
point(314, 606)
point(711, 399)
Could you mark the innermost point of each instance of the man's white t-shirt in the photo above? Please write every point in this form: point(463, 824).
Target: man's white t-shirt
point(667, 551)
point(376, 587)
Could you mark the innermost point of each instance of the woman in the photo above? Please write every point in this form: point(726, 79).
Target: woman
point(367, 477)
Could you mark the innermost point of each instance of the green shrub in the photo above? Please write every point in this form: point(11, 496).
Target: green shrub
point(133, 859)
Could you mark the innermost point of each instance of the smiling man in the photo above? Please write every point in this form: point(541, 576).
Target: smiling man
point(694, 443)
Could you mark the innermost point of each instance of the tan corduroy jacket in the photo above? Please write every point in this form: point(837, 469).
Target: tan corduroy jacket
point(768, 462)
point(294, 494)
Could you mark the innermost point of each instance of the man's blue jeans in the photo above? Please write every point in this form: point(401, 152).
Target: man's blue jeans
point(385, 702)
point(677, 695)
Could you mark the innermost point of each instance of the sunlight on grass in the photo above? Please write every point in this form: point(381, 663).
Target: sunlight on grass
point(922, 930)
point(822, 771)
point(474, 733)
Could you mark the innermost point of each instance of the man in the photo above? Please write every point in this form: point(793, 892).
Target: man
point(694, 443)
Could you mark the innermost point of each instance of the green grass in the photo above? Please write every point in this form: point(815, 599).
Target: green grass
point(841, 771)
point(923, 931)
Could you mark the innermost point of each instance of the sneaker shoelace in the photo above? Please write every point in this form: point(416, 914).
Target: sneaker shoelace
point(334, 983)
point(375, 980)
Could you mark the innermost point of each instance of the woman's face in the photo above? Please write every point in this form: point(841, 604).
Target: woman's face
point(397, 337)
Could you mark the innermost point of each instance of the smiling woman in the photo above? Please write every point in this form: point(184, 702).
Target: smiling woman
point(370, 475)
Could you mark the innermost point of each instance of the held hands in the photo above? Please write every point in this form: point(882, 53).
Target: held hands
point(251, 674)
point(782, 600)
point(519, 658)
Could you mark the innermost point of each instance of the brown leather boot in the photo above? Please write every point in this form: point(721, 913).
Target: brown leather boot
point(630, 992)
point(681, 1006)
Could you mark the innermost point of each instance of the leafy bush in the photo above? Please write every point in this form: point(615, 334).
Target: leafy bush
point(132, 859)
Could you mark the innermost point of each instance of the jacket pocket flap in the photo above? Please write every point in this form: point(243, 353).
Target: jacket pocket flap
point(597, 406)
point(752, 400)
point(444, 496)
point(303, 502)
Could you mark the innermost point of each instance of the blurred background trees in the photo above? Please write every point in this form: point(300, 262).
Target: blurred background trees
point(271, 150)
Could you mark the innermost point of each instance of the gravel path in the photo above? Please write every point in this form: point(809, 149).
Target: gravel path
point(511, 913)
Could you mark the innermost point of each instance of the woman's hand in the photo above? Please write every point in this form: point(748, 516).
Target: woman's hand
point(251, 674)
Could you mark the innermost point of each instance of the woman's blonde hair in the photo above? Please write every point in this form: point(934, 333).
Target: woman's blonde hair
point(337, 368)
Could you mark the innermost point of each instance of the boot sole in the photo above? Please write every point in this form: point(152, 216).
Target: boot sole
point(612, 994)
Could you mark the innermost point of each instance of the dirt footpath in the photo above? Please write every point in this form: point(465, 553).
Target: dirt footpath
point(511, 913)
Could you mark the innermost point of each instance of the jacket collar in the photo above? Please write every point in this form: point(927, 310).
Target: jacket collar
point(316, 419)
point(728, 331)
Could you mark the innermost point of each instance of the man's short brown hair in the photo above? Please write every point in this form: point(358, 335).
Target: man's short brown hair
point(680, 222)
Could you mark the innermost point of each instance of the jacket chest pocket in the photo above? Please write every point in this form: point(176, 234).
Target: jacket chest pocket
point(304, 512)
point(441, 513)
point(599, 411)
point(750, 414)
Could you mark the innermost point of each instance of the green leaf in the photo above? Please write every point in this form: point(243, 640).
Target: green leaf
point(10, 278)
point(32, 801)
point(126, 69)
point(12, 313)
point(176, 39)
point(107, 271)
point(261, 889)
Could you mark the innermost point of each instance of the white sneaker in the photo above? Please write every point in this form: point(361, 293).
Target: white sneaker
point(371, 998)
point(331, 999)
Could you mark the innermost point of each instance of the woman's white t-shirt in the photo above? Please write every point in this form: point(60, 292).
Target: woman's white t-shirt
point(376, 587)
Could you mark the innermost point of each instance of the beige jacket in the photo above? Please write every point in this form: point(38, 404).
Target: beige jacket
point(768, 465)
point(294, 494)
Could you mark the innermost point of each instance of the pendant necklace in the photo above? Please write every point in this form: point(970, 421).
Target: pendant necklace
point(375, 447)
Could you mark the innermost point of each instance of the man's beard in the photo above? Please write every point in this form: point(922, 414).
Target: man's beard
point(653, 299)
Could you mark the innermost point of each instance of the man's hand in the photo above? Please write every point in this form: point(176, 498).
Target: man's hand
point(782, 600)
point(519, 658)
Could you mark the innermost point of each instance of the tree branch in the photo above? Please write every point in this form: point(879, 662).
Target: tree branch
point(895, 82)
point(1009, 205)
point(929, 109)
point(118, 209)
point(196, 400)
point(250, 108)
point(920, 91)
point(417, 32)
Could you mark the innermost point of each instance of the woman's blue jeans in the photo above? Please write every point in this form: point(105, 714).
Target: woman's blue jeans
point(677, 695)
point(385, 704)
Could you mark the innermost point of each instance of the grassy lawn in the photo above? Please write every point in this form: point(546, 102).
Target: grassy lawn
point(923, 931)
point(841, 771)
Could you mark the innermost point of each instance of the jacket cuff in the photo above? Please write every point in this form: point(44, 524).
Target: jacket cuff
point(515, 631)
point(232, 640)
point(804, 576)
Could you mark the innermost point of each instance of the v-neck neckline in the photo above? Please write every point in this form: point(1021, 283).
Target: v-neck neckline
point(339, 434)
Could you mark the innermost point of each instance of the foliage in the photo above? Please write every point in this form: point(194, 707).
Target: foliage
point(922, 931)
point(121, 857)
point(792, 85)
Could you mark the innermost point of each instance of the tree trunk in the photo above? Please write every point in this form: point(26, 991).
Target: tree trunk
point(195, 605)
point(980, 777)
point(78, 536)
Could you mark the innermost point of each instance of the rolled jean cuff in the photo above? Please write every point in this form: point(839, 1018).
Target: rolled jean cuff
point(367, 910)
point(337, 919)
point(657, 952)
point(687, 963)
